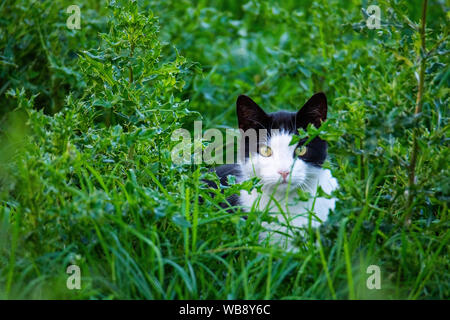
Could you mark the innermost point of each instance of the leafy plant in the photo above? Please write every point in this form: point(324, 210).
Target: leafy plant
point(86, 176)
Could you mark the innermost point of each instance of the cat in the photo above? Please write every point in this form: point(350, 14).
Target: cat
point(282, 168)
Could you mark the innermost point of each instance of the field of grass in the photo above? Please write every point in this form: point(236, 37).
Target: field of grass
point(87, 179)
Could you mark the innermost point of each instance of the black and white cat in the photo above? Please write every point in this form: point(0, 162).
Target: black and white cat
point(282, 168)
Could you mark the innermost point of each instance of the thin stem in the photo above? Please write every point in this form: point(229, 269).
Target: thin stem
point(361, 160)
point(418, 109)
point(130, 67)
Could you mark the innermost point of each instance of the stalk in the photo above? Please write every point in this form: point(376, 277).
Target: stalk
point(418, 109)
point(130, 67)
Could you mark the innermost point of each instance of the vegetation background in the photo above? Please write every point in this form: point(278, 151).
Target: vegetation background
point(85, 170)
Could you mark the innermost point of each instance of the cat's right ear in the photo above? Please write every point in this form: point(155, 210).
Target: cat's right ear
point(250, 115)
point(313, 111)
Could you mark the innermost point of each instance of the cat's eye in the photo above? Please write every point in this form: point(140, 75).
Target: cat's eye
point(300, 151)
point(265, 151)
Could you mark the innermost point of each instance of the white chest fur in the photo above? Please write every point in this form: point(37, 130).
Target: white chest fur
point(291, 213)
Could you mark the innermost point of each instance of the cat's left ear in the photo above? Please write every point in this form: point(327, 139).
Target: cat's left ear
point(313, 111)
point(250, 115)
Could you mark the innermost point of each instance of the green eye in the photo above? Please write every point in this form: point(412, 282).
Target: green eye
point(300, 151)
point(265, 151)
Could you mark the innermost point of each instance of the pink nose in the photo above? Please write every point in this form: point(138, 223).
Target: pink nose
point(284, 174)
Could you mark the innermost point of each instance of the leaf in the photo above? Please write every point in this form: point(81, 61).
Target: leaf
point(181, 221)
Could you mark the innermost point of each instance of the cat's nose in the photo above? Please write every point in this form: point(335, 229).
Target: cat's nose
point(284, 174)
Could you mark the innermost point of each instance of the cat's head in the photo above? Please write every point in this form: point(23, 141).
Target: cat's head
point(270, 156)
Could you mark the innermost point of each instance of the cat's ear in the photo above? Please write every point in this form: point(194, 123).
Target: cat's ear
point(313, 111)
point(250, 115)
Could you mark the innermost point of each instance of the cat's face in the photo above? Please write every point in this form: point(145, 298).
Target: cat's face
point(271, 158)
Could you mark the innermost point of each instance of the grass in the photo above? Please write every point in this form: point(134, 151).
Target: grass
point(86, 175)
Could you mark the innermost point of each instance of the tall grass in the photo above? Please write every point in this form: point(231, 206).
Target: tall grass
point(86, 176)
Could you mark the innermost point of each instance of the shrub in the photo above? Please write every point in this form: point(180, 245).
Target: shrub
point(86, 176)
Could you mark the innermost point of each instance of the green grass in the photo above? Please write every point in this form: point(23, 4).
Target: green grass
point(86, 176)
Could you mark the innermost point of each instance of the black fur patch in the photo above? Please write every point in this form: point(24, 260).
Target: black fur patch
point(223, 172)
